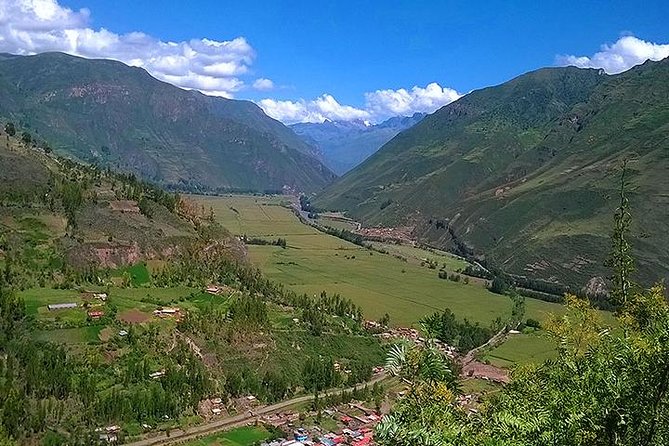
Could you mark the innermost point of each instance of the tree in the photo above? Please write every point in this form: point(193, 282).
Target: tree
point(26, 137)
point(517, 310)
point(420, 364)
point(10, 129)
point(620, 259)
point(499, 285)
point(145, 207)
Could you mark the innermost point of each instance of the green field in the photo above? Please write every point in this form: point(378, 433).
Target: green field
point(243, 436)
point(522, 348)
point(412, 253)
point(379, 283)
point(70, 335)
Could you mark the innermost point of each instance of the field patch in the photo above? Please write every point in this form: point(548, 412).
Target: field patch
point(243, 436)
point(70, 335)
point(134, 316)
point(139, 273)
point(522, 349)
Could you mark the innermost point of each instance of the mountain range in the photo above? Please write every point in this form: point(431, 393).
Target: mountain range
point(526, 174)
point(343, 145)
point(105, 112)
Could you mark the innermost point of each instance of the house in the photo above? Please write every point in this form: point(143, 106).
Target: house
point(123, 333)
point(216, 411)
point(301, 435)
point(361, 419)
point(100, 296)
point(156, 375)
point(108, 434)
point(109, 437)
point(63, 306)
point(96, 314)
point(167, 312)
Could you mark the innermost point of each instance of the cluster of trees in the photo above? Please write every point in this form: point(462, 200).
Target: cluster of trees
point(305, 204)
point(607, 389)
point(129, 187)
point(259, 241)
point(453, 277)
point(270, 386)
point(364, 393)
point(319, 374)
point(345, 234)
point(10, 129)
point(249, 311)
point(477, 271)
point(463, 335)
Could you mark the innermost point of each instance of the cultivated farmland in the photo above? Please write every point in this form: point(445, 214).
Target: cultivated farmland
point(379, 283)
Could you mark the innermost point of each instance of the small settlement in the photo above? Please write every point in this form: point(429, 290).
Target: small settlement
point(355, 428)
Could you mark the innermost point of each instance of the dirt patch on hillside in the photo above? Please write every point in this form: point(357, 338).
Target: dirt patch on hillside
point(134, 317)
point(489, 372)
point(129, 206)
point(400, 233)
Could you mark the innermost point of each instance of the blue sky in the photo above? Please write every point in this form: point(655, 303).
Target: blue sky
point(345, 49)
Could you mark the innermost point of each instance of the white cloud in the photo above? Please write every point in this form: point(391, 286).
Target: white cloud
point(627, 52)
point(387, 103)
point(263, 84)
point(318, 110)
point(213, 67)
point(379, 105)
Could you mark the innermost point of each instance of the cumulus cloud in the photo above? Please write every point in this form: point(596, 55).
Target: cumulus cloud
point(263, 84)
point(615, 58)
point(317, 110)
point(385, 103)
point(379, 105)
point(211, 66)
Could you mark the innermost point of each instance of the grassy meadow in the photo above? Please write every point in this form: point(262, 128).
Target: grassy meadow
point(243, 436)
point(379, 283)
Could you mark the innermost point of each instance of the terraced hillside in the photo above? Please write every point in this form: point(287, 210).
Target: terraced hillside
point(525, 173)
point(108, 113)
point(60, 219)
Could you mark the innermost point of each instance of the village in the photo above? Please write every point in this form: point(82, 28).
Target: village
point(355, 424)
point(351, 423)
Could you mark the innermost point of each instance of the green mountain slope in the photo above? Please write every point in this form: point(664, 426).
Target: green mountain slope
point(60, 219)
point(524, 173)
point(106, 112)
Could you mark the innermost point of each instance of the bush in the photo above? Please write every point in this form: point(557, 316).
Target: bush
point(499, 285)
point(10, 129)
point(533, 323)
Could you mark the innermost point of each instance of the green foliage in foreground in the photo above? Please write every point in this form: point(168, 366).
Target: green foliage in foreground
point(607, 389)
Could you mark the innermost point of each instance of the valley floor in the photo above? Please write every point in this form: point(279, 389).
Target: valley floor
point(398, 282)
